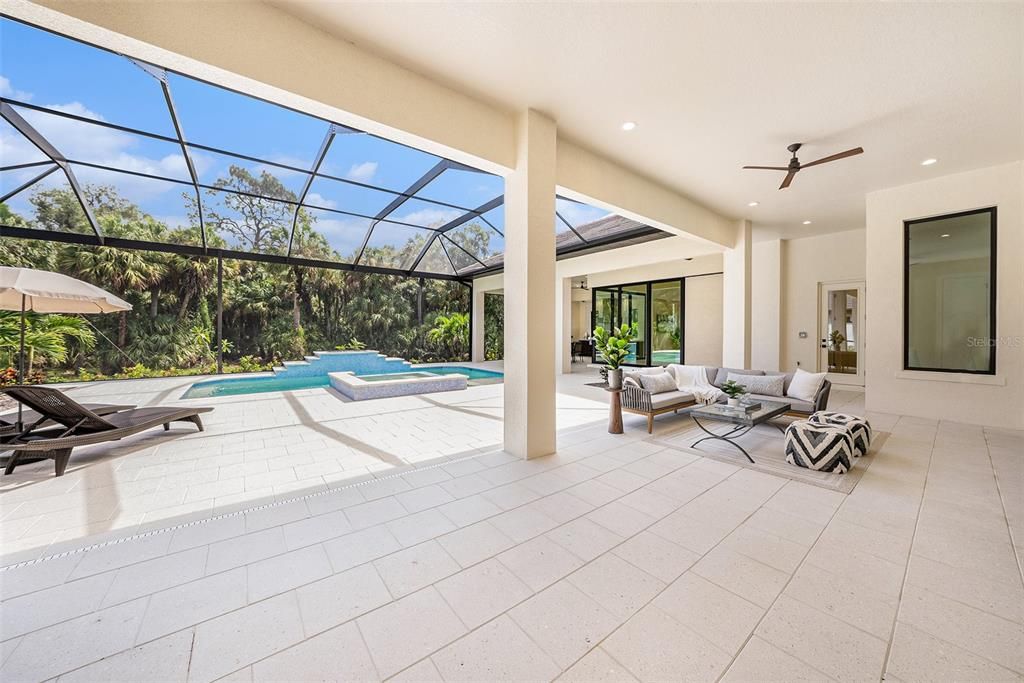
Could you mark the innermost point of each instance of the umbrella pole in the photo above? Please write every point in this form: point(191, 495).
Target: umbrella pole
point(21, 358)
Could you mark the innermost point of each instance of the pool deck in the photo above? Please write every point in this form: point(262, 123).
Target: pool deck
point(257, 448)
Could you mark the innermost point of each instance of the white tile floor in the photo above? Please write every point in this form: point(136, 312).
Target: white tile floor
point(615, 559)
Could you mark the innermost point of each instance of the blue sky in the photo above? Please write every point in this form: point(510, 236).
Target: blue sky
point(60, 74)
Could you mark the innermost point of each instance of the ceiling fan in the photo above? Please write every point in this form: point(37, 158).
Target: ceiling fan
point(795, 166)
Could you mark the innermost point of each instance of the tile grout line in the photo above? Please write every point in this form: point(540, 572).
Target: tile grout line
point(206, 520)
point(910, 554)
point(1002, 503)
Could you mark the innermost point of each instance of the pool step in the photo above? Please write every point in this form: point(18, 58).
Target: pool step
point(357, 362)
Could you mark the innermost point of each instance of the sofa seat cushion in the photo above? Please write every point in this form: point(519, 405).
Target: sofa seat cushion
point(670, 398)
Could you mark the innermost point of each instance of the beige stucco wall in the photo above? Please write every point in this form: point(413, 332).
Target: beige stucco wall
point(988, 400)
point(805, 264)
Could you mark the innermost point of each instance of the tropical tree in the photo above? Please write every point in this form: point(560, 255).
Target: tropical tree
point(48, 335)
point(451, 332)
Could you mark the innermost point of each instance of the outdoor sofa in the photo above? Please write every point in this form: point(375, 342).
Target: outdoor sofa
point(640, 401)
point(79, 426)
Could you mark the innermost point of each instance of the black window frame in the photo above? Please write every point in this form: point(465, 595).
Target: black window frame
point(993, 230)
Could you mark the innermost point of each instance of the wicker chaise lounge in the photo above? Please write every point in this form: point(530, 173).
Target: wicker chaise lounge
point(80, 426)
point(9, 421)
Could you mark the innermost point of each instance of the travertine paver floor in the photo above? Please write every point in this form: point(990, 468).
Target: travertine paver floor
point(615, 559)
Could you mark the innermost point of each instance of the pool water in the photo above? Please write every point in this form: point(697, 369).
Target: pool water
point(236, 386)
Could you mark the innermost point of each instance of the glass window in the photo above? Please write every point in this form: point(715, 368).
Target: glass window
point(666, 309)
point(63, 74)
point(949, 293)
point(228, 120)
point(367, 159)
point(468, 189)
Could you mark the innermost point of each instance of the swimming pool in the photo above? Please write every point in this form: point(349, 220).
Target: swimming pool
point(236, 386)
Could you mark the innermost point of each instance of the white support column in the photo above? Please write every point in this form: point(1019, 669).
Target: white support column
point(766, 305)
point(478, 322)
point(563, 325)
point(529, 295)
point(736, 300)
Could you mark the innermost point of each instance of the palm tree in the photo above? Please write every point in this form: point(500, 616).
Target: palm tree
point(50, 336)
point(121, 270)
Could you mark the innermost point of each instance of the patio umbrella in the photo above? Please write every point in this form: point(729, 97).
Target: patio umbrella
point(42, 291)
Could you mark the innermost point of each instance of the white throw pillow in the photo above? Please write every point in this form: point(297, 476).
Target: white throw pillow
point(805, 385)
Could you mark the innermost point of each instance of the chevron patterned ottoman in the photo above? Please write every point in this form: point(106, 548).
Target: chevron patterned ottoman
point(859, 428)
point(821, 447)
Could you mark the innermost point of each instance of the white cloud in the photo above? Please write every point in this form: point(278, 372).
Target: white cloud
point(7, 90)
point(363, 172)
point(430, 218)
point(317, 199)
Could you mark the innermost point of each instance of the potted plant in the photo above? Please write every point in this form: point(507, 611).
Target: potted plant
point(733, 390)
point(614, 348)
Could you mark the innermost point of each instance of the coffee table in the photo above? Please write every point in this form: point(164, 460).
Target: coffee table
point(743, 421)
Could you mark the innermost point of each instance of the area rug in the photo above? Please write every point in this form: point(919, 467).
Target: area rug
point(766, 446)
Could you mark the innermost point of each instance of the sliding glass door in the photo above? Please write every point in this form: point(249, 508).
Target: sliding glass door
point(655, 307)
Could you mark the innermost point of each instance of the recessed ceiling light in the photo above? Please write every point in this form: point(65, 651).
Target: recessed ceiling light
point(629, 125)
point(807, 222)
point(944, 235)
point(753, 203)
point(928, 162)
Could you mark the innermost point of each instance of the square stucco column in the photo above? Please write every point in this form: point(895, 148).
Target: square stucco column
point(478, 322)
point(529, 291)
point(736, 303)
point(766, 305)
point(563, 325)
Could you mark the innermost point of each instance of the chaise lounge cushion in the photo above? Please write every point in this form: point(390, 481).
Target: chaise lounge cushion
point(669, 398)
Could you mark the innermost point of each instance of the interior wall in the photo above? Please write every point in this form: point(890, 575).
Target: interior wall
point(980, 399)
point(806, 263)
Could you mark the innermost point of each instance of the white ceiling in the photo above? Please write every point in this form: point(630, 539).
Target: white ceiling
point(714, 86)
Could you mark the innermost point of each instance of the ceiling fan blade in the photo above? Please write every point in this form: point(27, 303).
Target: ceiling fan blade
point(770, 168)
point(788, 180)
point(835, 157)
